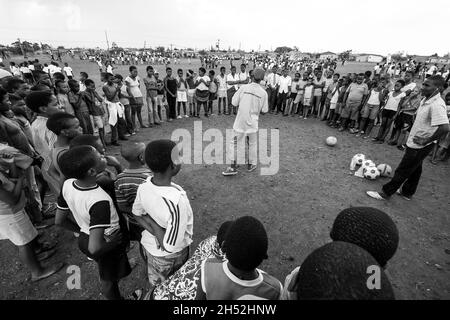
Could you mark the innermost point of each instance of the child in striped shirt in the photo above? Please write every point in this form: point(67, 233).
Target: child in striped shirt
point(128, 182)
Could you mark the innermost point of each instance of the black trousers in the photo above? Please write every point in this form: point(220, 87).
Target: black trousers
point(272, 96)
point(408, 172)
point(171, 101)
point(281, 101)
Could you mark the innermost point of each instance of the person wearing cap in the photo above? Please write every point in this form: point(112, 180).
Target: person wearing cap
point(252, 100)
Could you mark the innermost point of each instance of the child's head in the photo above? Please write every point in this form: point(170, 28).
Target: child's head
point(360, 78)
point(399, 85)
point(233, 69)
point(338, 270)
point(5, 104)
point(61, 87)
point(201, 71)
point(42, 102)
point(169, 72)
point(336, 77)
point(133, 71)
point(180, 73)
point(222, 70)
point(133, 152)
point(88, 140)
point(367, 74)
point(408, 76)
point(119, 78)
point(74, 85)
point(162, 156)
point(211, 74)
point(59, 76)
point(246, 243)
point(243, 66)
point(447, 99)
point(369, 228)
point(90, 85)
point(82, 162)
point(150, 71)
point(64, 124)
point(18, 87)
point(297, 76)
point(83, 76)
point(66, 64)
point(109, 78)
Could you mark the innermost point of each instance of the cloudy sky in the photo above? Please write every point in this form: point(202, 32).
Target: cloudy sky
point(377, 26)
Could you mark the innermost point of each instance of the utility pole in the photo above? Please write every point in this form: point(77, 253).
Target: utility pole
point(107, 41)
point(145, 42)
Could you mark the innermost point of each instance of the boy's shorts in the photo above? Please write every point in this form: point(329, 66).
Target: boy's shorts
point(307, 102)
point(350, 110)
point(386, 113)
point(112, 266)
point(17, 228)
point(160, 268)
point(370, 111)
point(138, 102)
point(191, 95)
point(181, 96)
point(293, 95)
point(159, 100)
point(404, 121)
point(222, 93)
point(298, 98)
point(333, 106)
point(212, 96)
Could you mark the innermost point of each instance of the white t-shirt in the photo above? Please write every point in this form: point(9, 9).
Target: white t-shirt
point(91, 207)
point(272, 80)
point(242, 77)
point(430, 114)
point(222, 82)
point(170, 208)
point(374, 98)
point(109, 69)
point(251, 99)
point(134, 86)
point(393, 102)
point(202, 86)
point(285, 83)
point(230, 77)
point(68, 71)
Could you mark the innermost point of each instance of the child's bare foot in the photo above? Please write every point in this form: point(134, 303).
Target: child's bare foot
point(46, 272)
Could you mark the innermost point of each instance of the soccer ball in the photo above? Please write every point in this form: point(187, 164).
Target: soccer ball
point(371, 173)
point(385, 170)
point(368, 163)
point(331, 141)
point(357, 160)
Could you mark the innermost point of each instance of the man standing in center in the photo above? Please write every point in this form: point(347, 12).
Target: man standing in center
point(252, 100)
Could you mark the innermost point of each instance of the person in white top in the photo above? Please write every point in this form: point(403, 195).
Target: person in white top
point(222, 90)
point(409, 85)
point(389, 111)
point(162, 208)
point(243, 76)
point(133, 83)
point(252, 100)
point(284, 89)
point(68, 71)
point(272, 82)
point(430, 124)
point(232, 86)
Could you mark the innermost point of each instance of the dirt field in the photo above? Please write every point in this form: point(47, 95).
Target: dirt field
point(297, 206)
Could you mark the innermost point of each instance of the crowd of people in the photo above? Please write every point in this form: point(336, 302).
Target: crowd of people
point(53, 140)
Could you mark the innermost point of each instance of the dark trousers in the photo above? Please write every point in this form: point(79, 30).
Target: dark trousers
point(281, 101)
point(408, 172)
point(171, 101)
point(230, 94)
point(272, 95)
point(118, 130)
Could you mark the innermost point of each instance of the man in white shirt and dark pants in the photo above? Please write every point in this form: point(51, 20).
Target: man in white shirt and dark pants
point(284, 88)
point(252, 100)
point(431, 123)
point(272, 82)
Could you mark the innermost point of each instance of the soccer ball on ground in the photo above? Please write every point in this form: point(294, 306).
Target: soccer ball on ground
point(371, 173)
point(385, 170)
point(357, 160)
point(331, 141)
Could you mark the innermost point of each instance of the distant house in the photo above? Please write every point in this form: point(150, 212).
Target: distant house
point(374, 58)
point(328, 55)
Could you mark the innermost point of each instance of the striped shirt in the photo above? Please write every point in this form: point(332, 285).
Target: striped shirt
point(126, 186)
point(170, 208)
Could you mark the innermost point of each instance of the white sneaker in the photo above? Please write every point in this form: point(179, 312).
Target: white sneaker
point(179, 117)
point(186, 116)
point(375, 195)
point(230, 172)
point(251, 167)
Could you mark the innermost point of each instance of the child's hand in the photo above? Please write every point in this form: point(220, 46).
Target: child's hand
point(6, 156)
